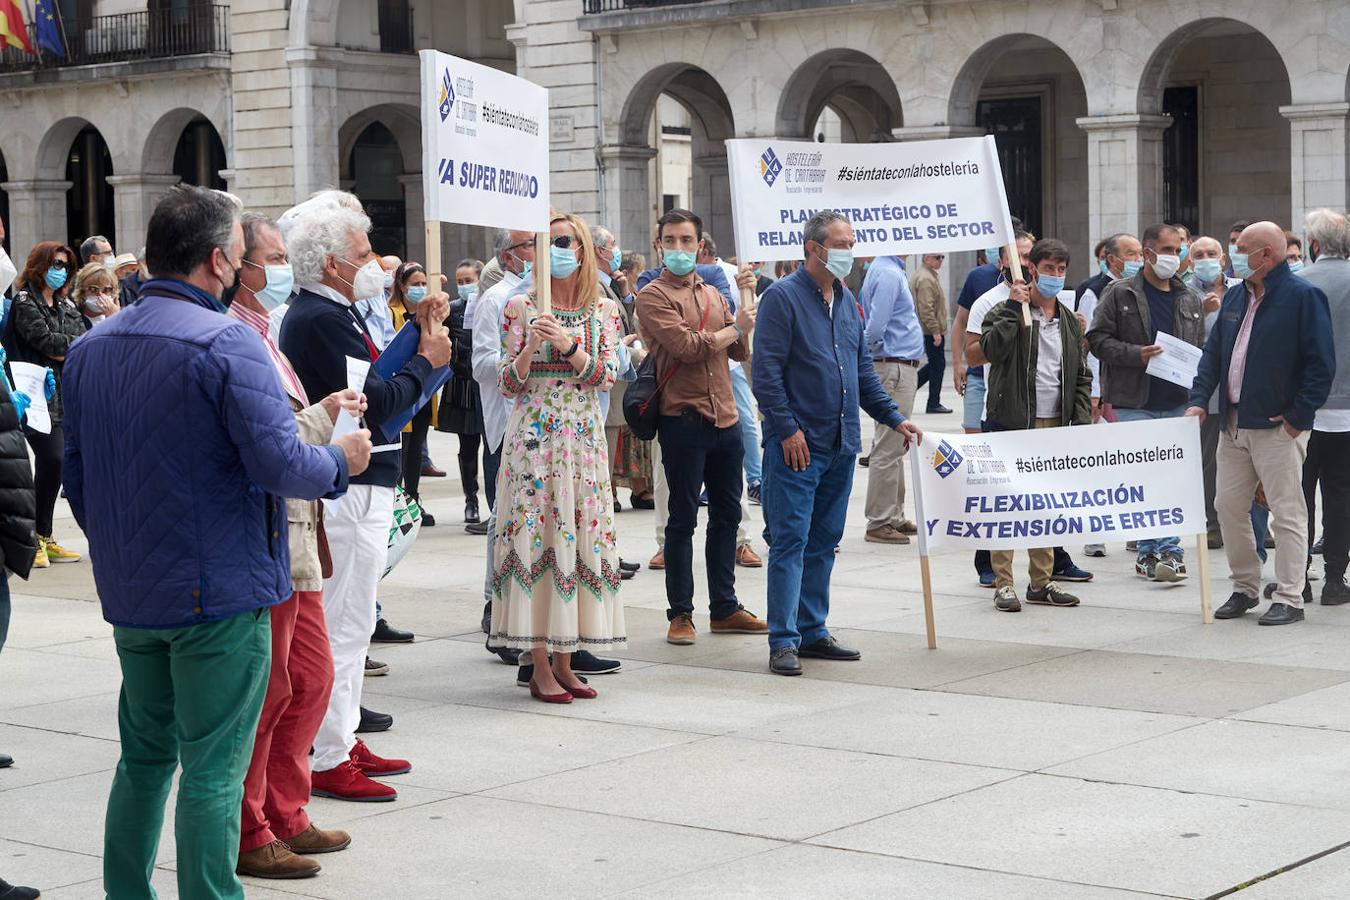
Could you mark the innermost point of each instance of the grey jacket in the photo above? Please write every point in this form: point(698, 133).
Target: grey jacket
point(1121, 327)
point(1332, 275)
point(302, 516)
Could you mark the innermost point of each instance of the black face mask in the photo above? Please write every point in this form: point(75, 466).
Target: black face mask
point(227, 296)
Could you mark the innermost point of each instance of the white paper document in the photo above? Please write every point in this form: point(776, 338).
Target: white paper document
point(1178, 363)
point(357, 369)
point(32, 380)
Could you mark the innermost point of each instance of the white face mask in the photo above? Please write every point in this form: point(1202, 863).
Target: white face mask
point(1166, 266)
point(369, 280)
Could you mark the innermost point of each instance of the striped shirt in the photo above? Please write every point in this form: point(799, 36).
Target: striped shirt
point(259, 323)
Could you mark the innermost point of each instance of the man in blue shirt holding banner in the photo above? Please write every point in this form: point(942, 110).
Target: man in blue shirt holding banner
point(809, 328)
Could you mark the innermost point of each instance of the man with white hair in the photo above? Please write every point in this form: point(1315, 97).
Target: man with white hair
point(1328, 237)
point(334, 266)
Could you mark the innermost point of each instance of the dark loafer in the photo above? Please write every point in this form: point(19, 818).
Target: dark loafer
point(388, 634)
point(372, 722)
point(1237, 605)
point(1281, 614)
point(1335, 592)
point(784, 661)
point(587, 663)
point(828, 648)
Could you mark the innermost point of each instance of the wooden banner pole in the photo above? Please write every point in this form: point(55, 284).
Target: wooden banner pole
point(433, 260)
point(1015, 266)
point(543, 284)
point(925, 574)
point(1202, 557)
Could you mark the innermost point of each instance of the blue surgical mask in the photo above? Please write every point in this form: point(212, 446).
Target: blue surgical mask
point(1106, 270)
point(280, 282)
point(1232, 248)
point(1049, 285)
point(991, 255)
point(1295, 266)
point(416, 294)
point(562, 262)
point(679, 262)
point(1241, 268)
point(1131, 268)
point(615, 257)
point(1185, 251)
point(1207, 270)
point(56, 278)
point(466, 291)
point(839, 261)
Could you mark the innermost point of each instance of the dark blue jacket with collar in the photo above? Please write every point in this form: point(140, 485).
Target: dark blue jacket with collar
point(180, 449)
point(1290, 357)
point(711, 273)
point(317, 336)
point(812, 369)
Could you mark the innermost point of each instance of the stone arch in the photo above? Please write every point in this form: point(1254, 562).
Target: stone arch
point(1154, 74)
point(850, 82)
point(162, 139)
point(694, 88)
point(54, 148)
point(403, 121)
point(965, 90)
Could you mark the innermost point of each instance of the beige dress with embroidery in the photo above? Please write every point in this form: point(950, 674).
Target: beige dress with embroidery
point(556, 581)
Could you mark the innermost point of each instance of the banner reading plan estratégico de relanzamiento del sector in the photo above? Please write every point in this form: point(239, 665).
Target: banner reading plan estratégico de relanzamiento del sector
point(917, 197)
point(484, 145)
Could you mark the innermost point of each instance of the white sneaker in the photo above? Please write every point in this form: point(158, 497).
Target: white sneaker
point(1170, 569)
point(1094, 550)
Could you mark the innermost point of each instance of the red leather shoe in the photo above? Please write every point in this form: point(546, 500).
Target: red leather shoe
point(564, 697)
point(373, 766)
point(583, 693)
point(345, 782)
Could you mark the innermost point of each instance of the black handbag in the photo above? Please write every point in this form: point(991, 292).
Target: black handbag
point(642, 398)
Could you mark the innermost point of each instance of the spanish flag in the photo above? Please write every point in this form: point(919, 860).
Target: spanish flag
point(13, 32)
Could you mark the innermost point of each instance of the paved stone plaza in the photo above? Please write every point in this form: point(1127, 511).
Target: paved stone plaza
point(1120, 749)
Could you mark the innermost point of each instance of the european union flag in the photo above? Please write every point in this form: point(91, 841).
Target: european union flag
point(49, 31)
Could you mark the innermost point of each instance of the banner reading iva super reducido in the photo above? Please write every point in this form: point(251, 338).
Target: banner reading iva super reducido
point(1052, 486)
point(916, 197)
point(484, 145)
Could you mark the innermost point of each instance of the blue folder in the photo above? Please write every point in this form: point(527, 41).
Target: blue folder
point(395, 356)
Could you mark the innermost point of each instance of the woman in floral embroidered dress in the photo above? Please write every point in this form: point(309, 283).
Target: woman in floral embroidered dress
point(556, 584)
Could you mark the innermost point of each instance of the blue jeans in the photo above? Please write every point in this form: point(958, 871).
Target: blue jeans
point(803, 521)
point(749, 424)
point(973, 401)
point(1154, 546)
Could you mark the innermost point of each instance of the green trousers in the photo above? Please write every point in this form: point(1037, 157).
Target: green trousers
point(191, 695)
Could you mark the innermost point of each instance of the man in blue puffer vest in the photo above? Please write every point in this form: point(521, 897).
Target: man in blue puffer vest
point(180, 451)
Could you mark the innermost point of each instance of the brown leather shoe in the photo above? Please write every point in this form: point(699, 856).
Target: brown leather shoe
point(748, 558)
point(658, 561)
point(315, 840)
point(275, 860)
point(907, 527)
point(886, 534)
point(742, 621)
point(681, 630)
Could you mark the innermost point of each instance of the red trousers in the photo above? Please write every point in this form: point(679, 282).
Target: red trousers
point(276, 788)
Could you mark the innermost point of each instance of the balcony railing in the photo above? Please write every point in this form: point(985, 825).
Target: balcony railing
point(592, 7)
point(127, 37)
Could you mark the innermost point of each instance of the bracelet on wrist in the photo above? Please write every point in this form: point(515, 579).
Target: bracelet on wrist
point(576, 345)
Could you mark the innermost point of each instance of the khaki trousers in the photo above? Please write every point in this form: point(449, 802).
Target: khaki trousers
point(886, 462)
point(1041, 565)
point(1271, 457)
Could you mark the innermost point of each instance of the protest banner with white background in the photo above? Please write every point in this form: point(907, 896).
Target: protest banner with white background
point(484, 145)
point(1046, 487)
point(912, 197)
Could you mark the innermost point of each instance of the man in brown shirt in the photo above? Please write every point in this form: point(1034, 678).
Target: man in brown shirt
point(691, 332)
point(930, 303)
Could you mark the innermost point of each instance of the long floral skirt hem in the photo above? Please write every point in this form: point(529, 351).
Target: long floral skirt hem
point(543, 606)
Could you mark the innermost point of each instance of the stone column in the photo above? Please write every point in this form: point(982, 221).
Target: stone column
point(134, 198)
point(415, 224)
point(37, 212)
point(313, 120)
point(1319, 166)
point(712, 199)
point(628, 209)
point(1125, 165)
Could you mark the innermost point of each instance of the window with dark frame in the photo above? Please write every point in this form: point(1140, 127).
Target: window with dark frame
point(1015, 123)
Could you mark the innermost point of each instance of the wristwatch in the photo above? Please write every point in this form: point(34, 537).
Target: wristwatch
point(740, 332)
point(576, 345)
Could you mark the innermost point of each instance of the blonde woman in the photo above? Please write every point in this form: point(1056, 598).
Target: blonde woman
point(96, 292)
point(556, 582)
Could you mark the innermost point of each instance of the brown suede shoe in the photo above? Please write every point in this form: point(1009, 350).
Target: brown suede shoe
point(275, 860)
point(681, 630)
point(658, 561)
point(742, 621)
point(747, 558)
point(315, 840)
point(886, 534)
point(907, 527)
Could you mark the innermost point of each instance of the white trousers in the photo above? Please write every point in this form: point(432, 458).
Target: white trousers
point(357, 525)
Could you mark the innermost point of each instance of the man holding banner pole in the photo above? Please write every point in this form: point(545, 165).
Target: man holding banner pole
point(809, 329)
point(1038, 378)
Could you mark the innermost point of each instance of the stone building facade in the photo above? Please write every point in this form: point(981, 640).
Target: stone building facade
point(1109, 114)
